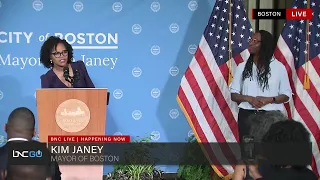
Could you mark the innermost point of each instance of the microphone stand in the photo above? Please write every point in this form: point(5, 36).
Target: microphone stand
point(76, 76)
point(67, 76)
point(69, 79)
point(72, 80)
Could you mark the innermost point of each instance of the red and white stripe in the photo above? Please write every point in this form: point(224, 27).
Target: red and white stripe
point(204, 97)
point(306, 103)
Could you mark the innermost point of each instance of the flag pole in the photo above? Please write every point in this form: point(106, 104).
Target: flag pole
point(230, 48)
point(306, 83)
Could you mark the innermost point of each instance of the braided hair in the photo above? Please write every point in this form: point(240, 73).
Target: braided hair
point(266, 52)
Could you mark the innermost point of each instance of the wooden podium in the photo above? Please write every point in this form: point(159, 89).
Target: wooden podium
point(73, 111)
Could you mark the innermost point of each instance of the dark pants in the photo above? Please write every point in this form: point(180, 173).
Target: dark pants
point(243, 125)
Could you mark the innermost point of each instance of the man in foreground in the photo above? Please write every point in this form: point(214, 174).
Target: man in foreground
point(21, 127)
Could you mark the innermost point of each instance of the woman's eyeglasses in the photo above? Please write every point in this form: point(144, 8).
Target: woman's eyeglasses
point(59, 54)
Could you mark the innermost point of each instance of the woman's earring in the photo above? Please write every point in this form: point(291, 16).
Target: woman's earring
point(50, 61)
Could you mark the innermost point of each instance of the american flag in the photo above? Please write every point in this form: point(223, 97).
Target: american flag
point(291, 51)
point(204, 94)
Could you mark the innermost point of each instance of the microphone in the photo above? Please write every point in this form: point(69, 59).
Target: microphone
point(76, 76)
point(66, 74)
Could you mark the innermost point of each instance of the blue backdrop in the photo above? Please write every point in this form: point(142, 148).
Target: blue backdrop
point(138, 49)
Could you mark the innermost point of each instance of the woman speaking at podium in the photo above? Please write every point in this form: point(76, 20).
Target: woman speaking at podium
point(57, 54)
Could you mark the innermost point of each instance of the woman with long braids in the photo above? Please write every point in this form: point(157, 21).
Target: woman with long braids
point(261, 83)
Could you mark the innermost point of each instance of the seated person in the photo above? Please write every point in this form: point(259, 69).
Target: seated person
point(19, 128)
point(282, 132)
point(260, 125)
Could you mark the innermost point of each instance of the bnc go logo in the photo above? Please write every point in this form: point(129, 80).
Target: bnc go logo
point(27, 154)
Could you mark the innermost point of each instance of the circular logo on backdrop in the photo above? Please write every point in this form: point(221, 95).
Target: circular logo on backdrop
point(117, 94)
point(193, 5)
point(192, 48)
point(72, 115)
point(136, 29)
point(136, 114)
point(174, 113)
point(155, 92)
point(2, 139)
point(155, 6)
point(174, 28)
point(1, 95)
point(155, 135)
point(136, 72)
point(190, 133)
point(155, 50)
point(78, 6)
point(117, 134)
point(37, 5)
point(117, 7)
point(35, 95)
point(36, 137)
point(174, 71)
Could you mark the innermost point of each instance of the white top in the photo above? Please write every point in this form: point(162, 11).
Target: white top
point(278, 85)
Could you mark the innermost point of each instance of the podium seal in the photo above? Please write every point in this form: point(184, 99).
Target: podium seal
point(72, 115)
